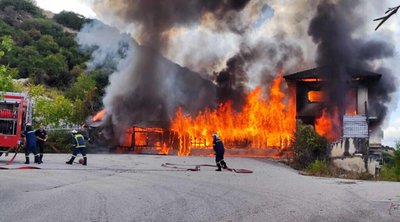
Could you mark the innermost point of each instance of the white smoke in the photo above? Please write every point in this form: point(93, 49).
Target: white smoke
point(106, 43)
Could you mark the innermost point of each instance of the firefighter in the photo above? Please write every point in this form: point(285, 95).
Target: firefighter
point(41, 137)
point(30, 144)
point(218, 147)
point(78, 141)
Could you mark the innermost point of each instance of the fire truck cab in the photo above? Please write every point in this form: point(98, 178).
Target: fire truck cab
point(15, 114)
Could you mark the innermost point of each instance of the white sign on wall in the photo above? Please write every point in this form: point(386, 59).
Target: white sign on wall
point(355, 126)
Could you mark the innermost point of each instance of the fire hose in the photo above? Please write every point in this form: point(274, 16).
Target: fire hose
point(21, 168)
point(2, 166)
point(12, 158)
point(186, 167)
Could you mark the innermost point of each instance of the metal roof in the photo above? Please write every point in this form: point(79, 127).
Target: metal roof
point(324, 71)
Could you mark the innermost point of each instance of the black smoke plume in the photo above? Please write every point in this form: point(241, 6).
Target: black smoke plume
point(332, 29)
point(232, 81)
point(147, 89)
point(155, 17)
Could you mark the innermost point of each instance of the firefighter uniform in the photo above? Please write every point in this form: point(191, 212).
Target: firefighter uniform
point(41, 137)
point(219, 149)
point(78, 141)
point(30, 144)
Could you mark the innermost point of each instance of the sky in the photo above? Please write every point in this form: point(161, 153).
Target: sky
point(391, 128)
point(57, 6)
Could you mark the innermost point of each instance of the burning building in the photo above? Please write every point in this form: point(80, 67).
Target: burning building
point(224, 50)
point(266, 121)
point(339, 110)
point(262, 127)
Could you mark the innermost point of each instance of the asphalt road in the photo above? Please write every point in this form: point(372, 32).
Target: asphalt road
point(138, 188)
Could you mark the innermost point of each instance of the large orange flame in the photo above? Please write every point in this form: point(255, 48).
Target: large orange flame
point(262, 123)
point(99, 116)
point(328, 124)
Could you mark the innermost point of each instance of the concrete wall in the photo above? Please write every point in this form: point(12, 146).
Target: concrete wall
point(348, 147)
point(350, 153)
point(375, 137)
point(362, 97)
point(355, 164)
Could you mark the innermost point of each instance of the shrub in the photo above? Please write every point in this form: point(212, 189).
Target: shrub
point(59, 141)
point(319, 168)
point(389, 173)
point(391, 169)
point(28, 6)
point(308, 146)
point(70, 20)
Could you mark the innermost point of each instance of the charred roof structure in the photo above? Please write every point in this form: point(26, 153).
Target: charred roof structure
point(321, 88)
point(322, 72)
point(338, 106)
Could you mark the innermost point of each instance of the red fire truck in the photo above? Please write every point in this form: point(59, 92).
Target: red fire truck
point(15, 114)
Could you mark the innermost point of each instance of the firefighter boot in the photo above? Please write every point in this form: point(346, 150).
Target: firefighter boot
point(27, 160)
point(224, 164)
point(84, 161)
point(37, 159)
point(70, 161)
point(219, 167)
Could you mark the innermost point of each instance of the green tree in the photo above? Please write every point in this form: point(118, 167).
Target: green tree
point(70, 20)
point(46, 45)
point(26, 59)
point(43, 51)
point(28, 6)
point(308, 146)
point(85, 96)
point(6, 74)
point(44, 26)
point(56, 68)
point(82, 88)
point(51, 107)
point(6, 29)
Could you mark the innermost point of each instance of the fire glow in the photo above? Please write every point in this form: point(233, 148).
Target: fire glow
point(99, 116)
point(262, 123)
point(315, 96)
point(328, 124)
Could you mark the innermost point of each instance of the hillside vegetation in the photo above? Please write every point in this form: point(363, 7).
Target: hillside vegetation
point(44, 53)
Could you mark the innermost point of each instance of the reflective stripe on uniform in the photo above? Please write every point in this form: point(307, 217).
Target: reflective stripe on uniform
point(77, 137)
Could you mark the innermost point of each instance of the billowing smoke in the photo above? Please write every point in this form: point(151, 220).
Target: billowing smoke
point(265, 58)
point(333, 29)
point(146, 88)
point(156, 20)
point(235, 45)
